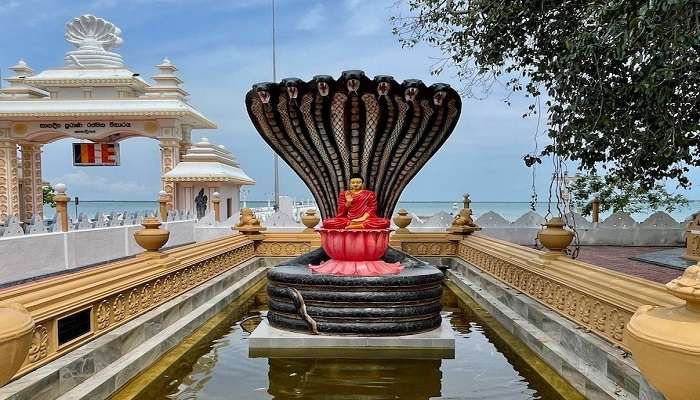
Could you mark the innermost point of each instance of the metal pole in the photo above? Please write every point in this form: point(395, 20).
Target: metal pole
point(274, 79)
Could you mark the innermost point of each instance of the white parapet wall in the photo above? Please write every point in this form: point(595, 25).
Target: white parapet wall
point(36, 255)
point(619, 229)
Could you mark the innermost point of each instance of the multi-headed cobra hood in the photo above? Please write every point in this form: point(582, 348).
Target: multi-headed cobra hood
point(328, 130)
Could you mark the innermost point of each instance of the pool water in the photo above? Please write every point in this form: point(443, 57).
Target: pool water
point(217, 366)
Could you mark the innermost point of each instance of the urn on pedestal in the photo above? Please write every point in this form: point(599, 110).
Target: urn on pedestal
point(151, 237)
point(310, 219)
point(403, 220)
point(665, 342)
point(554, 237)
point(15, 337)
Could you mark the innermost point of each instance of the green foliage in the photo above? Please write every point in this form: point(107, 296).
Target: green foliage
point(48, 196)
point(621, 78)
point(622, 196)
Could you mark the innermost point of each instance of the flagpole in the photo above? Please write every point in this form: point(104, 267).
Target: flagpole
point(274, 79)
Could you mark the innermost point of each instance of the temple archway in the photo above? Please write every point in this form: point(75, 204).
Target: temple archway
point(94, 98)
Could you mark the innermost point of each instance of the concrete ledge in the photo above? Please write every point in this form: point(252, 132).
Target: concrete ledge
point(100, 367)
point(267, 341)
point(592, 365)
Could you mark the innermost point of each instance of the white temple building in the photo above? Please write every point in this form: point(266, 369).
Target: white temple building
point(210, 168)
point(93, 97)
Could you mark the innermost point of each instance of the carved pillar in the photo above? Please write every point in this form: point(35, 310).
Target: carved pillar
point(169, 157)
point(9, 182)
point(186, 142)
point(32, 192)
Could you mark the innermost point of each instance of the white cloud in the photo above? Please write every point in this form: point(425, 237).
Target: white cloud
point(8, 6)
point(312, 19)
point(80, 182)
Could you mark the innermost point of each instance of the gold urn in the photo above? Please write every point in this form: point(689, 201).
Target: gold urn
point(310, 219)
point(402, 220)
point(665, 342)
point(151, 237)
point(15, 337)
point(554, 237)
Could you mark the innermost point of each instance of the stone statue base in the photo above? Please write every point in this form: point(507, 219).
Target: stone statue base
point(463, 229)
point(404, 303)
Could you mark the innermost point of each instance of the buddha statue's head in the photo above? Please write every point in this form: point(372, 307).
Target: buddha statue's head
point(356, 183)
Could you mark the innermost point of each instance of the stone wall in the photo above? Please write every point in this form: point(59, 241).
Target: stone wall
point(619, 229)
point(30, 256)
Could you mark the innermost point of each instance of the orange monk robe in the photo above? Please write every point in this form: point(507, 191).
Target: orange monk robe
point(363, 201)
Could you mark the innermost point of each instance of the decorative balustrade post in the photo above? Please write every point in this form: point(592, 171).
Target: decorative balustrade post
point(595, 208)
point(163, 202)
point(692, 240)
point(216, 204)
point(310, 219)
point(402, 220)
point(61, 200)
point(463, 223)
point(249, 225)
point(554, 237)
point(151, 237)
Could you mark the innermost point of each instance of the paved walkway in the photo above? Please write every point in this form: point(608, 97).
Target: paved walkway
point(617, 259)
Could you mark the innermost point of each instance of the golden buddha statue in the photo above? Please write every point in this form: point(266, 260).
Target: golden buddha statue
point(357, 209)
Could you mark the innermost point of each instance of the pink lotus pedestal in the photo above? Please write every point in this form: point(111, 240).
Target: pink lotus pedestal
point(355, 252)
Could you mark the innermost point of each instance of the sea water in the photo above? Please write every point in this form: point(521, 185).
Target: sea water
point(508, 210)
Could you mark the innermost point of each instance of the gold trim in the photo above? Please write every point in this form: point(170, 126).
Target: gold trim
point(597, 298)
point(120, 291)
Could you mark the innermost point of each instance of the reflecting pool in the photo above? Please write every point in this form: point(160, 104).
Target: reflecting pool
point(216, 365)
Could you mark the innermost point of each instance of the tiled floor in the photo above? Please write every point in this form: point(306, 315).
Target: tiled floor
point(617, 259)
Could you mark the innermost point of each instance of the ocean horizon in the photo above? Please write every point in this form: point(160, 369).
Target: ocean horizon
point(510, 210)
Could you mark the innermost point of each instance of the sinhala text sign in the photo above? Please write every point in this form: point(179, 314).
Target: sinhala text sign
point(84, 129)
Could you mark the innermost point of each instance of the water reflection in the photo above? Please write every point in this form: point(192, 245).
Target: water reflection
point(219, 368)
point(294, 378)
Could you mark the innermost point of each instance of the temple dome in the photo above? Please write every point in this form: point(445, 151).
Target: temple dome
point(205, 161)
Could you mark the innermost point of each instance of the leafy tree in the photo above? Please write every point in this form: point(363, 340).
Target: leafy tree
point(48, 193)
point(622, 196)
point(619, 79)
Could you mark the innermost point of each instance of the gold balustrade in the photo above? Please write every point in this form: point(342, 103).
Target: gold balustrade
point(119, 291)
point(596, 298)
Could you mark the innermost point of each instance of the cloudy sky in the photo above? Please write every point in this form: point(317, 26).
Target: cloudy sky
point(222, 47)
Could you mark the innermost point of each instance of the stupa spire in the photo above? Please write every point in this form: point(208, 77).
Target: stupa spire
point(18, 87)
point(167, 84)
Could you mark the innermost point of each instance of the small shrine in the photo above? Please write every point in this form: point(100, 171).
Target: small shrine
point(206, 169)
point(92, 98)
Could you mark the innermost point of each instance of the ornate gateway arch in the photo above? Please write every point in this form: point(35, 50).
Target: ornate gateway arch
point(92, 97)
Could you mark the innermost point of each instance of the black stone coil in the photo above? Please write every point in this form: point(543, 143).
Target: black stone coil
point(400, 304)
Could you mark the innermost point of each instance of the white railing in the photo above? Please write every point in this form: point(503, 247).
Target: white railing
point(41, 254)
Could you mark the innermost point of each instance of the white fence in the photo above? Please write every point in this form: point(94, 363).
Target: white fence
point(619, 229)
point(29, 256)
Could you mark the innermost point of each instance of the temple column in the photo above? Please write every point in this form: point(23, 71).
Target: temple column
point(169, 157)
point(9, 182)
point(186, 141)
point(32, 184)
